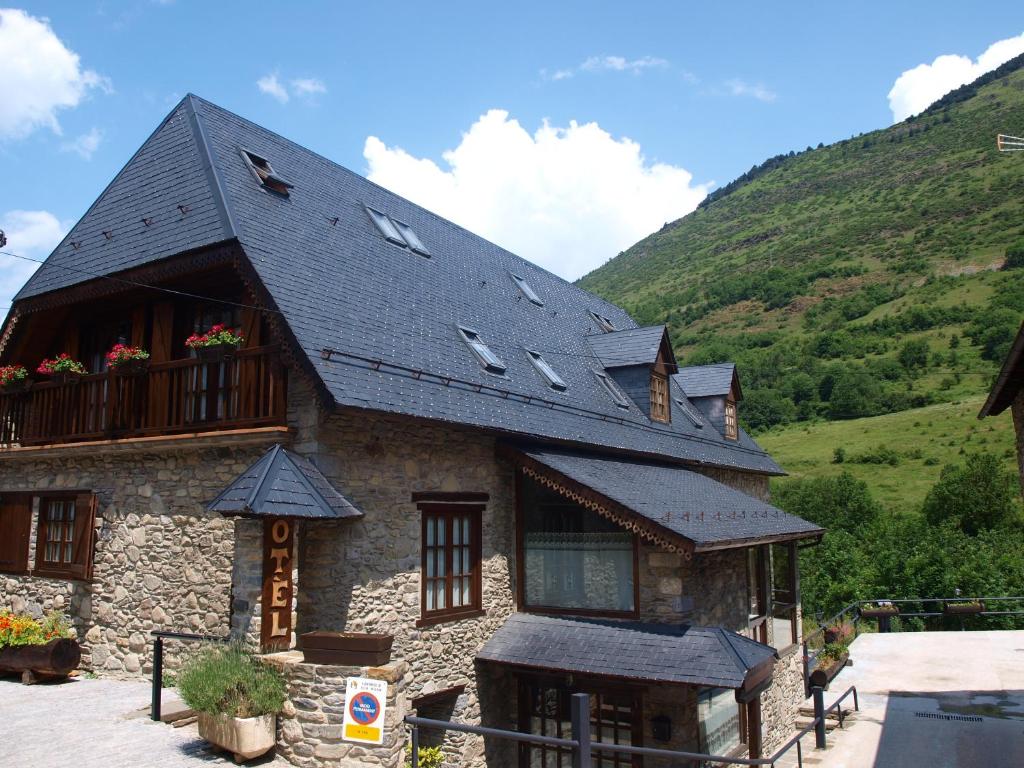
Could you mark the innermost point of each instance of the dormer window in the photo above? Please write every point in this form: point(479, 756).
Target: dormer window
point(544, 368)
point(732, 431)
point(527, 291)
point(660, 409)
point(265, 173)
point(613, 391)
point(489, 360)
point(606, 325)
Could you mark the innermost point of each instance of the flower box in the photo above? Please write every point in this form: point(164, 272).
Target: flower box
point(217, 344)
point(128, 361)
point(964, 608)
point(54, 659)
point(827, 670)
point(66, 377)
point(15, 386)
point(878, 611)
point(216, 353)
point(244, 737)
point(13, 378)
point(62, 369)
point(346, 648)
point(131, 368)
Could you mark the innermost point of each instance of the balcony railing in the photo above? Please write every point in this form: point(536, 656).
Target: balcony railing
point(189, 395)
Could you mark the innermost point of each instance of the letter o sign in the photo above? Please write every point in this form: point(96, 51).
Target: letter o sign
point(279, 531)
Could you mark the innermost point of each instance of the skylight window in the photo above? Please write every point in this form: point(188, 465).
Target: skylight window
point(613, 391)
point(603, 322)
point(489, 360)
point(528, 292)
point(415, 244)
point(386, 227)
point(544, 368)
point(265, 174)
point(691, 412)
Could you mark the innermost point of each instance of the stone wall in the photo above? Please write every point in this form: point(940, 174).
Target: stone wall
point(309, 730)
point(161, 562)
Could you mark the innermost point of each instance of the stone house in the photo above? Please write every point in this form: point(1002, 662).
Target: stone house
point(1008, 392)
point(422, 435)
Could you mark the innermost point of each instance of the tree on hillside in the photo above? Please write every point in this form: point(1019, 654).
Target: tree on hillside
point(914, 354)
point(837, 503)
point(976, 496)
point(854, 394)
point(764, 408)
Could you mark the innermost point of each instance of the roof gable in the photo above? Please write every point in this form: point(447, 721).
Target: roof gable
point(717, 380)
point(634, 346)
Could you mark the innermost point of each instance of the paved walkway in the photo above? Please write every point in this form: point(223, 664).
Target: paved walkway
point(932, 699)
point(94, 724)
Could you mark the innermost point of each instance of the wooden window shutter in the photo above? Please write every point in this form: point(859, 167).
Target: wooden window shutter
point(251, 326)
point(15, 527)
point(163, 332)
point(85, 519)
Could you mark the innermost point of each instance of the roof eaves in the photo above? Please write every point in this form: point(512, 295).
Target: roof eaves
point(995, 403)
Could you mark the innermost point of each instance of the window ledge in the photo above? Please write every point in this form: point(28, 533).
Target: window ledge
point(430, 621)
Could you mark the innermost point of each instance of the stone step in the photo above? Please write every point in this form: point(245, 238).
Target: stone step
point(803, 722)
point(185, 721)
point(832, 714)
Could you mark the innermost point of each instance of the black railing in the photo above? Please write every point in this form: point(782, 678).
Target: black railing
point(158, 662)
point(583, 746)
point(853, 614)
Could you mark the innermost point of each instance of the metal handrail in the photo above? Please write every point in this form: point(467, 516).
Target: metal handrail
point(158, 662)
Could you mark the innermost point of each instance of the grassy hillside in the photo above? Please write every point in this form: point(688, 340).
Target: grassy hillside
point(898, 455)
point(852, 280)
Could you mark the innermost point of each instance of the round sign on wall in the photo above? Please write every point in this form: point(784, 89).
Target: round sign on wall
point(364, 708)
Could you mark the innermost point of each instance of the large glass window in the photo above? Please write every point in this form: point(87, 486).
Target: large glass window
point(574, 559)
point(784, 595)
point(719, 721)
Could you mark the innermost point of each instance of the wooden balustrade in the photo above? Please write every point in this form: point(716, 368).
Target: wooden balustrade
point(189, 395)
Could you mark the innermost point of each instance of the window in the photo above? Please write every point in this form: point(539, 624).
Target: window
point(690, 411)
point(603, 322)
point(528, 292)
point(15, 527)
point(720, 723)
point(757, 594)
point(488, 359)
point(415, 244)
point(659, 398)
point(265, 174)
point(784, 595)
point(615, 718)
point(613, 391)
point(574, 560)
point(64, 538)
point(553, 379)
point(731, 427)
point(450, 575)
point(386, 227)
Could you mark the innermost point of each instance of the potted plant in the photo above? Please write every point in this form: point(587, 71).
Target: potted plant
point(62, 369)
point(963, 607)
point(13, 378)
point(237, 698)
point(128, 361)
point(218, 343)
point(37, 649)
point(879, 610)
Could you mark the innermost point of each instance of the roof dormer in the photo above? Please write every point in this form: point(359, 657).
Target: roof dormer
point(640, 360)
point(715, 390)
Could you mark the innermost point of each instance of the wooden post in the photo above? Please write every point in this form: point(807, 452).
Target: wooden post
point(579, 713)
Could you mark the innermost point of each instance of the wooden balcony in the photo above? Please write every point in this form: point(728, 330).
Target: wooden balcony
point(189, 395)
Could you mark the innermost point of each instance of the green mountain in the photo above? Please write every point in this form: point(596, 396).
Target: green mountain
point(881, 273)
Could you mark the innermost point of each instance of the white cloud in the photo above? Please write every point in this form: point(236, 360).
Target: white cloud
point(754, 90)
point(565, 198)
point(271, 86)
point(39, 75)
point(84, 145)
point(607, 64)
point(29, 233)
point(916, 89)
point(299, 87)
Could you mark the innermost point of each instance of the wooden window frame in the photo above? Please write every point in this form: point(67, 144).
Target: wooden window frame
point(448, 511)
point(758, 625)
point(82, 542)
point(792, 588)
point(731, 416)
point(660, 403)
point(16, 530)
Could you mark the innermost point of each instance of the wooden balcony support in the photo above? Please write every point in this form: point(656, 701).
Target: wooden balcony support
point(189, 395)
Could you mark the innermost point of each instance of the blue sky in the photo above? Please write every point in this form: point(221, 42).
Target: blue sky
point(702, 91)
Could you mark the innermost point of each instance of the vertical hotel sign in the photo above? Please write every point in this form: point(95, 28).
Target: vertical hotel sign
point(278, 588)
point(365, 707)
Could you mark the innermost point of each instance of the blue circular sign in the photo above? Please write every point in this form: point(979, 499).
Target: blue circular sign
point(364, 708)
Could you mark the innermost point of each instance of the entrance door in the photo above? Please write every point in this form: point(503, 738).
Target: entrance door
point(615, 718)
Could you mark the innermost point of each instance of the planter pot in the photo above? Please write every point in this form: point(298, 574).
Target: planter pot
point(16, 387)
point(217, 353)
point(963, 610)
point(55, 659)
point(66, 377)
point(131, 367)
point(346, 648)
point(245, 737)
point(824, 674)
point(879, 612)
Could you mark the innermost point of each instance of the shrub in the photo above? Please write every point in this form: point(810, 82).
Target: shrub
point(975, 496)
point(230, 680)
point(839, 455)
point(429, 757)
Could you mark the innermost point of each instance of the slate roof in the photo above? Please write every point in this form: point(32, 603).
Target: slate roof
point(706, 380)
point(634, 346)
point(1009, 381)
point(629, 650)
point(283, 484)
point(690, 505)
point(387, 316)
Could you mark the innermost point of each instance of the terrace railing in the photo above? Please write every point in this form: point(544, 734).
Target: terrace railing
point(189, 395)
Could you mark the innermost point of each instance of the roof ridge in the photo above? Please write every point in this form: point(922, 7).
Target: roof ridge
point(210, 167)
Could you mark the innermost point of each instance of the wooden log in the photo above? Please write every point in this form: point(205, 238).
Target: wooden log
point(56, 658)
